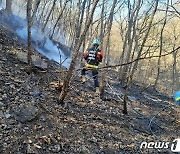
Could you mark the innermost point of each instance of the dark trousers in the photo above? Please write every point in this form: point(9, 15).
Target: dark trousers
point(94, 74)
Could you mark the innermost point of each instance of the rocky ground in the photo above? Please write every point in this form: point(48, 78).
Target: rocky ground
point(32, 120)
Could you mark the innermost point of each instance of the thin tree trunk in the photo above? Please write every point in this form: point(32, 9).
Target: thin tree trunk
point(8, 6)
point(77, 47)
point(106, 55)
point(29, 23)
point(47, 19)
point(83, 49)
point(127, 49)
point(81, 18)
point(36, 5)
point(122, 72)
point(174, 69)
point(42, 14)
point(133, 38)
point(161, 47)
point(101, 84)
point(79, 27)
point(59, 17)
point(136, 62)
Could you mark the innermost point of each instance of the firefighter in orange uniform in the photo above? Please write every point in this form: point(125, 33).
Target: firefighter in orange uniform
point(93, 57)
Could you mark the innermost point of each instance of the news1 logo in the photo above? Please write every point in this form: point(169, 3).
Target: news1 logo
point(175, 146)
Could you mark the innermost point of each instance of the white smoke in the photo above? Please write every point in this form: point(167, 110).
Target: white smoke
point(49, 49)
point(41, 41)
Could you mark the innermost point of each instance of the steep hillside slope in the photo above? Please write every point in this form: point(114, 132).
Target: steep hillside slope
point(32, 121)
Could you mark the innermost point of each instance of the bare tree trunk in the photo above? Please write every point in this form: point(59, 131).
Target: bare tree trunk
point(79, 28)
point(139, 55)
point(47, 19)
point(36, 5)
point(42, 14)
point(89, 2)
point(81, 18)
point(29, 24)
point(77, 47)
point(122, 72)
point(102, 26)
point(161, 47)
point(59, 17)
point(8, 6)
point(174, 66)
point(111, 15)
point(127, 48)
point(81, 54)
point(174, 75)
point(101, 84)
point(132, 39)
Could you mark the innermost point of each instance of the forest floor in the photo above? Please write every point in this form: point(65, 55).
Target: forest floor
point(32, 120)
